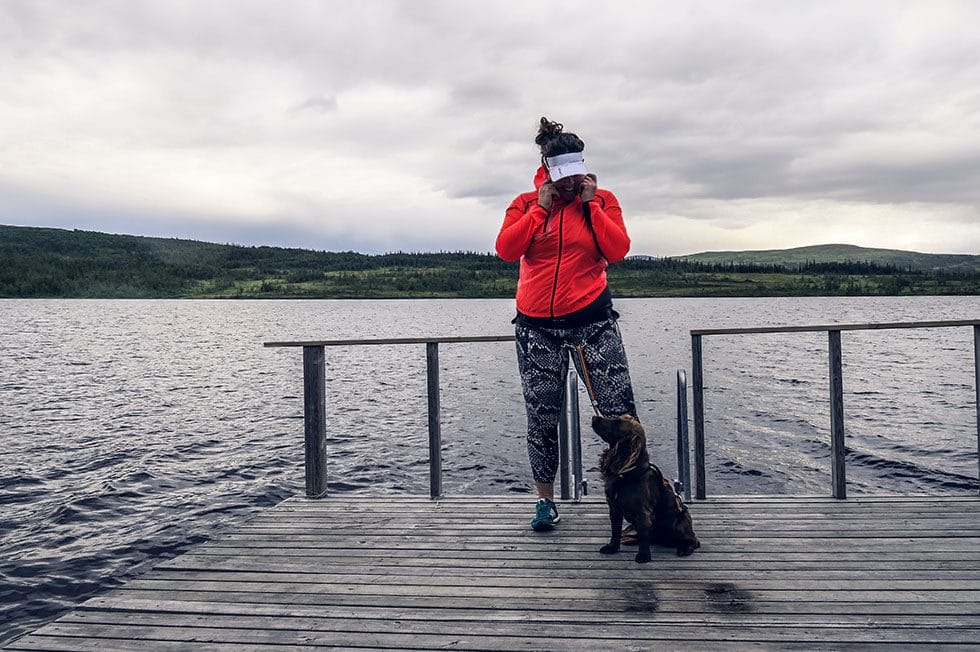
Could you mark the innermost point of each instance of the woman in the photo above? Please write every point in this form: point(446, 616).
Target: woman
point(564, 233)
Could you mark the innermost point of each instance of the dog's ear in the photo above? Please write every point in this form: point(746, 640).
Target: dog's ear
point(628, 443)
point(636, 437)
point(618, 456)
point(632, 426)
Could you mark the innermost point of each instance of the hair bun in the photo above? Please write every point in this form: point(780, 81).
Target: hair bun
point(547, 131)
point(554, 140)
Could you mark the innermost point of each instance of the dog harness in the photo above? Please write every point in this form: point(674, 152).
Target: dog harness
point(634, 473)
point(681, 507)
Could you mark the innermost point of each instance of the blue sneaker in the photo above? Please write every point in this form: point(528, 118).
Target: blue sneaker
point(545, 516)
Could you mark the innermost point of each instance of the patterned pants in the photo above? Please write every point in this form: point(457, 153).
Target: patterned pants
point(542, 356)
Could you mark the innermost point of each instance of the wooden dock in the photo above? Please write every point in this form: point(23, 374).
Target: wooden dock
point(467, 573)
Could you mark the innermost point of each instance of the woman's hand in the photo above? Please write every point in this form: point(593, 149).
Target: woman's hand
point(546, 194)
point(588, 188)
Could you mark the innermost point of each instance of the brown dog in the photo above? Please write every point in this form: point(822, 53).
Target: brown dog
point(637, 491)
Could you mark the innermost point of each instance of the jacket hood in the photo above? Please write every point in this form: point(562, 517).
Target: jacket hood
point(540, 178)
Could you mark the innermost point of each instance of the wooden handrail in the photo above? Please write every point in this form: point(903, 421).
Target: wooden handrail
point(835, 327)
point(836, 386)
point(314, 410)
point(397, 340)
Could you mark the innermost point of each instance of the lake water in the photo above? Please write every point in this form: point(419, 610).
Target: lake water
point(131, 430)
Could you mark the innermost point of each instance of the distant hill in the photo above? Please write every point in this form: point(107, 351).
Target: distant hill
point(840, 253)
point(46, 262)
point(42, 262)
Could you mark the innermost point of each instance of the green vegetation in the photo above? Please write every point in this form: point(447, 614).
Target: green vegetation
point(37, 262)
point(836, 253)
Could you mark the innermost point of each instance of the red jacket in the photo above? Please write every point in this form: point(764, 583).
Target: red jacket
point(562, 270)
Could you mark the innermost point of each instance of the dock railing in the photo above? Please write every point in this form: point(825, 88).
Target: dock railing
point(835, 366)
point(572, 483)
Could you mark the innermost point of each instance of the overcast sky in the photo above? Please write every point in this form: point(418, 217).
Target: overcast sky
point(380, 126)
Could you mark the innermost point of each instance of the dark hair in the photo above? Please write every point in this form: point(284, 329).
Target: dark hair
point(554, 141)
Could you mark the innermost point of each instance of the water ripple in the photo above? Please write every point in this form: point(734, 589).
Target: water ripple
point(146, 427)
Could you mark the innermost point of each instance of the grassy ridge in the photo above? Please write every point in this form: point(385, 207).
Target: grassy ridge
point(37, 262)
point(830, 253)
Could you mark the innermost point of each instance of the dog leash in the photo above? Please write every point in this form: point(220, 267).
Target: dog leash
point(588, 381)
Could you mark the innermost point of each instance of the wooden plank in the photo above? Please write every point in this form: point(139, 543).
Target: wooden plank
point(640, 627)
point(800, 580)
point(407, 572)
point(518, 635)
point(381, 561)
point(907, 526)
point(525, 506)
point(55, 643)
point(641, 603)
point(369, 573)
point(824, 592)
point(585, 543)
point(377, 619)
point(596, 535)
point(600, 524)
point(58, 643)
point(119, 607)
point(564, 553)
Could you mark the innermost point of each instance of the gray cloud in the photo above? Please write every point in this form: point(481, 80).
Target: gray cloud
point(393, 124)
point(319, 104)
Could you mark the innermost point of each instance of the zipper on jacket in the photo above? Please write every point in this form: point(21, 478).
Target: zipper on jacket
point(561, 239)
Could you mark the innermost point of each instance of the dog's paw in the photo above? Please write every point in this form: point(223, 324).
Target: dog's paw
point(609, 549)
point(642, 557)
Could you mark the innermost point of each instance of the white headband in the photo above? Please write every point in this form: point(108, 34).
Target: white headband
point(565, 165)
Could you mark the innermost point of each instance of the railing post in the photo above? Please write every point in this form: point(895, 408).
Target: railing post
point(315, 421)
point(976, 387)
point(575, 431)
point(564, 464)
point(837, 415)
point(698, 380)
point(435, 426)
point(683, 446)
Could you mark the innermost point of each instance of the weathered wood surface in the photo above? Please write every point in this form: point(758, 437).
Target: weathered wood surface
point(468, 573)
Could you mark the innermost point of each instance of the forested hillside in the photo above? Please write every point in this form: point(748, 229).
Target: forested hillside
point(39, 262)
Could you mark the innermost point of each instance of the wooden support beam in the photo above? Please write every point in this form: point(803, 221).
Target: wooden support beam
point(315, 421)
point(837, 415)
point(435, 420)
point(698, 379)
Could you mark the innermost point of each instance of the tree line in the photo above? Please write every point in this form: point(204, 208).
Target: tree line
point(57, 263)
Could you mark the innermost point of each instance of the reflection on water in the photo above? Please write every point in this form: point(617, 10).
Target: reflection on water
point(133, 429)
